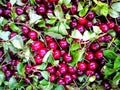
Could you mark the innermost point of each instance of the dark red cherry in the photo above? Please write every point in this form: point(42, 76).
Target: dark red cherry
point(61, 81)
point(62, 52)
point(13, 34)
point(90, 15)
point(108, 37)
point(72, 69)
point(8, 73)
point(6, 27)
point(67, 57)
point(41, 9)
point(67, 78)
point(53, 1)
point(38, 59)
point(62, 68)
point(33, 35)
point(101, 39)
point(42, 52)
point(82, 20)
point(104, 28)
point(37, 45)
point(92, 65)
point(38, 1)
point(82, 66)
point(52, 78)
point(58, 74)
point(89, 56)
point(95, 46)
point(81, 28)
point(28, 69)
point(19, 11)
point(52, 45)
point(56, 54)
point(99, 54)
point(7, 12)
point(74, 76)
point(63, 44)
point(4, 68)
point(106, 85)
point(51, 69)
point(1, 12)
point(111, 24)
point(65, 9)
point(117, 28)
point(79, 72)
point(73, 24)
point(88, 24)
point(73, 9)
point(24, 1)
point(90, 73)
point(48, 39)
point(9, 5)
point(25, 30)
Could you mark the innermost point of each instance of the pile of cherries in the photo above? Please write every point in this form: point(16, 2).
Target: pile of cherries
point(62, 73)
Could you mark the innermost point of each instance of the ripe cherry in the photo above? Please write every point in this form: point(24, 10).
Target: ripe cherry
point(63, 44)
point(82, 66)
point(99, 54)
point(61, 81)
point(41, 9)
point(42, 52)
point(8, 73)
point(52, 45)
point(104, 28)
point(67, 57)
point(81, 28)
point(24, 1)
point(74, 76)
point(48, 39)
point(1, 11)
point(89, 56)
point(37, 45)
point(13, 34)
point(33, 35)
point(108, 37)
point(72, 69)
point(38, 59)
point(62, 52)
point(92, 65)
point(89, 72)
point(90, 15)
point(111, 24)
point(73, 24)
point(56, 54)
point(67, 78)
point(51, 69)
point(73, 9)
point(101, 39)
point(4, 68)
point(52, 78)
point(25, 30)
point(28, 69)
point(88, 24)
point(19, 11)
point(117, 28)
point(62, 68)
point(82, 20)
point(95, 46)
point(79, 72)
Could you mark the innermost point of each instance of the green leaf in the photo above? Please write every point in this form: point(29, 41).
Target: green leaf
point(116, 78)
point(32, 2)
point(92, 78)
point(117, 63)
point(2, 77)
point(113, 13)
point(41, 23)
point(45, 58)
point(66, 2)
point(75, 46)
point(17, 42)
point(27, 54)
point(13, 2)
point(77, 56)
point(104, 10)
point(97, 30)
point(84, 11)
point(60, 1)
point(21, 69)
point(109, 54)
point(62, 29)
point(51, 21)
point(58, 12)
point(4, 35)
point(76, 34)
point(59, 87)
point(29, 87)
point(45, 74)
point(14, 28)
point(80, 7)
point(69, 40)
point(108, 72)
point(12, 48)
point(12, 83)
point(54, 35)
point(34, 17)
point(3, 21)
point(19, 2)
point(44, 82)
point(116, 6)
point(42, 66)
point(53, 29)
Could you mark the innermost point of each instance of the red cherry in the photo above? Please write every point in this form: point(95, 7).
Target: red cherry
point(92, 65)
point(67, 78)
point(104, 28)
point(61, 81)
point(42, 52)
point(52, 78)
point(81, 28)
point(51, 69)
point(89, 56)
point(117, 28)
point(62, 52)
point(67, 57)
point(52, 45)
point(73, 9)
point(90, 15)
point(38, 59)
point(56, 54)
point(82, 66)
point(25, 30)
point(62, 68)
point(90, 73)
point(111, 24)
point(72, 69)
point(48, 39)
point(19, 11)
point(28, 69)
point(74, 76)
point(88, 24)
point(108, 37)
point(82, 20)
point(99, 54)
point(58, 74)
point(63, 44)
point(33, 35)
point(95, 46)
point(8, 73)
point(37, 45)
point(41, 9)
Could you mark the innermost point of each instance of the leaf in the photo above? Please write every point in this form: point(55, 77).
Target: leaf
point(19, 2)
point(42, 66)
point(117, 63)
point(59, 87)
point(80, 7)
point(14, 28)
point(2, 77)
point(17, 42)
point(116, 78)
point(97, 30)
point(104, 10)
point(54, 35)
point(76, 34)
point(32, 2)
point(92, 78)
point(12, 83)
point(113, 13)
point(109, 54)
point(62, 29)
point(69, 40)
point(53, 29)
point(27, 54)
point(41, 23)
point(75, 46)
point(21, 69)
point(60, 1)
point(45, 74)
point(4, 35)
point(34, 17)
point(83, 11)
point(116, 6)
point(29, 87)
point(45, 58)
point(58, 12)
point(108, 72)
point(44, 82)
point(77, 56)
point(12, 48)
point(13, 2)
point(51, 21)
point(66, 2)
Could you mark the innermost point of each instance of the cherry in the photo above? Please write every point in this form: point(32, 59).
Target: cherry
point(52, 45)
point(61, 81)
point(58, 73)
point(111, 24)
point(95, 46)
point(53, 1)
point(73, 9)
point(56, 54)
point(8, 73)
point(48, 39)
point(72, 69)
point(62, 52)
point(106, 85)
point(81, 28)
point(38, 59)
point(65, 9)
point(99, 54)
point(27, 80)
point(4, 68)
point(90, 15)
point(1, 53)
point(41, 9)
point(13, 34)
point(88, 24)
point(38, 1)
point(104, 27)
point(28, 69)
point(42, 52)
point(63, 44)
point(62, 68)
point(52, 78)
point(89, 56)
point(97, 76)
point(40, 77)
point(49, 11)
point(101, 39)
point(67, 78)
point(79, 72)
point(74, 76)
point(24, 1)
point(108, 37)
point(7, 12)
point(37, 45)
point(93, 65)
point(6, 27)
point(19, 11)
point(117, 28)
point(9, 5)
point(1, 12)
point(82, 20)
point(89, 72)
point(25, 30)
point(67, 57)
point(82, 66)
point(33, 35)
point(73, 24)
point(51, 69)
